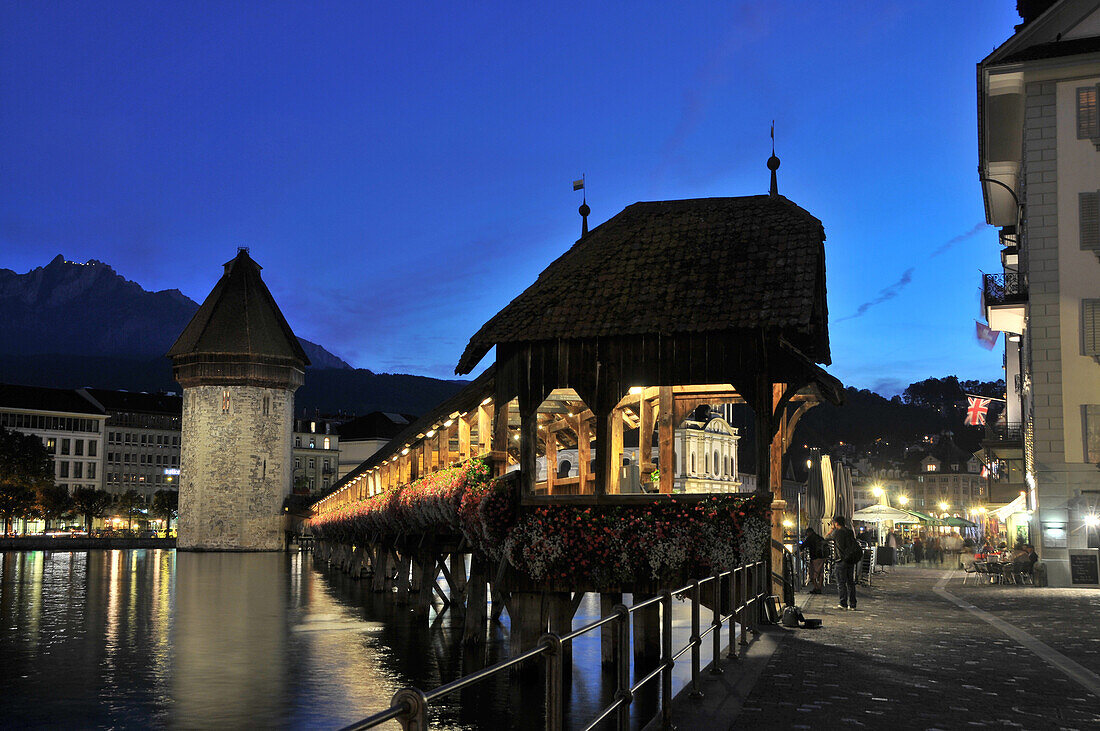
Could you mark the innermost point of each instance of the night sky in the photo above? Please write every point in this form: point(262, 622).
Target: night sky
point(402, 170)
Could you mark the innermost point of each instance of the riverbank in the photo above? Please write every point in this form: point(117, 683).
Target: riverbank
point(80, 543)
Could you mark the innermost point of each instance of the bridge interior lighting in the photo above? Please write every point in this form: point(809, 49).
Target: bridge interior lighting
point(430, 434)
point(486, 401)
point(448, 422)
point(635, 390)
point(405, 450)
point(788, 523)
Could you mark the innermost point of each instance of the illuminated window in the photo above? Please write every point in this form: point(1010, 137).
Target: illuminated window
point(312, 443)
point(51, 445)
point(225, 401)
point(1088, 124)
point(328, 443)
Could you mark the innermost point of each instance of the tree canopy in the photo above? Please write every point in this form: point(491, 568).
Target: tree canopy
point(25, 465)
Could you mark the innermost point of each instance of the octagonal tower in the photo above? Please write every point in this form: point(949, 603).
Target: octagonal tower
point(239, 365)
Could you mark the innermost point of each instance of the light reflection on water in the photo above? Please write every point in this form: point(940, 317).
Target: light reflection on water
point(149, 638)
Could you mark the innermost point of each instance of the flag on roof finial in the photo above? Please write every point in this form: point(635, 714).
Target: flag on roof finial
point(773, 165)
point(584, 210)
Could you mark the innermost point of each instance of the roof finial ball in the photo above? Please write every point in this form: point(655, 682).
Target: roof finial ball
point(773, 164)
point(584, 210)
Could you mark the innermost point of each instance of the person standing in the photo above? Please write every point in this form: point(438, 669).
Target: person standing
point(849, 554)
point(918, 551)
point(817, 550)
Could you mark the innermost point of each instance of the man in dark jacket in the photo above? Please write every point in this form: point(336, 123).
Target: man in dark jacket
point(817, 550)
point(848, 554)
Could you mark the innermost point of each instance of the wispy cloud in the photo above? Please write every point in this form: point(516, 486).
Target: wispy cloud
point(888, 293)
point(978, 228)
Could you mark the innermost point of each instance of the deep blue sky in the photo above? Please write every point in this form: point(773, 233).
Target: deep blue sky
point(402, 170)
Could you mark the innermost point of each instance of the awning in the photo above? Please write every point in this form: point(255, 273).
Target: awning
point(924, 518)
point(882, 514)
point(957, 522)
point(1019, 505)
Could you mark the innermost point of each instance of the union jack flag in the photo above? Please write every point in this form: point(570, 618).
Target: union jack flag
point(975, 413)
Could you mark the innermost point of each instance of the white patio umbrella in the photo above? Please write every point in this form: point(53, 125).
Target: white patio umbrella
point(883, 514)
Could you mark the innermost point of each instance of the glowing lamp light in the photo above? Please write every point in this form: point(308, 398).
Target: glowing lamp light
point(876, 491)
point(486, 401)
point(788, 523)
point(405, 450)
point(1092, 520)
point(448, 422)
point(944, 506)
point(431, 433)
point(635, 390)
point(903, 499)
point(809, 463)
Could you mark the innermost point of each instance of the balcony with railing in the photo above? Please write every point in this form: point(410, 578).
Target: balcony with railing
point(1005, 297)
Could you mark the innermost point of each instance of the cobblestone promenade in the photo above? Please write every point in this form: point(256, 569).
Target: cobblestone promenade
point(911, 658)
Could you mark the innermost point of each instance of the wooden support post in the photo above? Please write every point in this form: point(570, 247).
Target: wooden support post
point(645, 438)
point(404, 581)
point(464, 437)
point(779, 505)
point(666, 446)
point(528, 436)
point(584, 453)
point(647, 630)
point(614, 452)
point(445, 446)
point(425, 560)
point(473, 632)
point(382, 566)
point(529, 620)
point(550, 449)
point(500, 439)
point(561, 610)
point(609, 633)
point(484, 428)
point(457, 565)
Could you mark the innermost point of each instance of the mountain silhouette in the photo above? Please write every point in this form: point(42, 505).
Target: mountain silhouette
point(70, 325)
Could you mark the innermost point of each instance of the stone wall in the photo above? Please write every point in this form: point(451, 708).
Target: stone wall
point(235, 467)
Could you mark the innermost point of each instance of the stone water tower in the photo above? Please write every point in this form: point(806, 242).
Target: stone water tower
point(239, 364)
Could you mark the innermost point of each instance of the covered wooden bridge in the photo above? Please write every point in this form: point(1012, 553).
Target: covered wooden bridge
point(666, 306)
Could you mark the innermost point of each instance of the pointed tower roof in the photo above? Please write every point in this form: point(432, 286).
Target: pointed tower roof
point(238, 323)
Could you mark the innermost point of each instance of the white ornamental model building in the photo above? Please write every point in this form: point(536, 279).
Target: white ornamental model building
point(239, 364)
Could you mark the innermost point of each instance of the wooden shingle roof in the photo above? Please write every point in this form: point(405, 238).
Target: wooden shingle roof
point(240, 318)
point(685, 266)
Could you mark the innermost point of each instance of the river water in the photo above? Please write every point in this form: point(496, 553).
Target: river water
point(152, 638)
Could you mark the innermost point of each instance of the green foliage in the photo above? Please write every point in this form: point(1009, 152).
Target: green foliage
point(166, 503)
point(52, 501)
point(91, 503)
point(25, 465)
point(128, 502)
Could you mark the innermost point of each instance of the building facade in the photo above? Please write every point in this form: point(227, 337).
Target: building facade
point(70, 426)
point(142, 441)
point(316, 455)
point(1039, 164)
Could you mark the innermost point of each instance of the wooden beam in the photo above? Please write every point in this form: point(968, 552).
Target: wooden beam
point(500, 436)
point(645, 438)
point(464, 437)
point(484, 428)
point(568, 422)
point(445, 446)
point(550, 449)
point(615, 452)
point(584, 451)
point(665, 444)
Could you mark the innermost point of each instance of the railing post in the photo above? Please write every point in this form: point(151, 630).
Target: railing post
point(734, 578)
point(622, 668)
point(666, 659)
point(744, 605)
point(553, 702)
point(415, 716)
point(696, 640)
point(716, 626)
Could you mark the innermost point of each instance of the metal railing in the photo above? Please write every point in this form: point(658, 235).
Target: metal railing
point(1004, 431)
point(1007, 288)
point(409, 706)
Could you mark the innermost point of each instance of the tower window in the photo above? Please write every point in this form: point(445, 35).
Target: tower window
point(267, 404)
point(225, 401)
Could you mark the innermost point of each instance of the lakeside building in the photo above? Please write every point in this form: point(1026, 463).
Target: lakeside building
point(70, 426)
point(363, 436)
point(142, 440)
point(1039, 166)
point(316, 455)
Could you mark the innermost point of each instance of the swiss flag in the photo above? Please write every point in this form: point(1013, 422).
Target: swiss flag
point(975, 413)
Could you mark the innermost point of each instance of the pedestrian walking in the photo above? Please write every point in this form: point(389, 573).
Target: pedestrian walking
point(849, 554)
point(817, 551)
point(918, 551)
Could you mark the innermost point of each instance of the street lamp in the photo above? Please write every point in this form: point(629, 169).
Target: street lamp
point(903, 499)
point(944, 507)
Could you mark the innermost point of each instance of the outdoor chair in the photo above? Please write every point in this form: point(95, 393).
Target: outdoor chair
point(974, 570)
